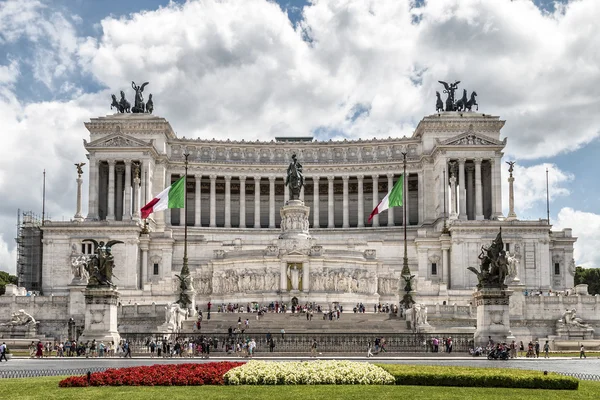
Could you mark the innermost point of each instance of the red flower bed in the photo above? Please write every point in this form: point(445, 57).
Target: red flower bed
point(156, 375)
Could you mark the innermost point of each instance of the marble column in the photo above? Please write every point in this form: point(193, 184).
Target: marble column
point(144, 246)
point(182, 216)
point(227, 201)
point(462, 192)
point(286, 193)
point(375, 220)
point(470, 192)
point(127, 199)
point(78, 216)
point(511, 199)
point(242, 201)
point(345, 204)
point(443, 189)
point(330, 203)
point(119, 172)
point(257, 202)
point(316, 223)
point(110, 214)
point(93, 189)
point(213, 201)
point(143, 180)
point(198, 201)
point(453, 202)
point(147, 189)
point(361, 202)
point(271, 202)
point(137, 194)
point(390, 211)
point(420, 198)
point(497, 185)
point(478, 191)
point(302, 193)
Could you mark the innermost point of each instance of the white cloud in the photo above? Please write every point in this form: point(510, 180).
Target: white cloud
point(8, 258)
point(586, 227)
point(530, 186)
point(232, 69)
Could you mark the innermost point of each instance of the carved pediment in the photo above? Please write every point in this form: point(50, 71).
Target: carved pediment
point(117, 140)
point(471, 138)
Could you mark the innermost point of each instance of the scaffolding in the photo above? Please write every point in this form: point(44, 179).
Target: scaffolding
point(29, 251)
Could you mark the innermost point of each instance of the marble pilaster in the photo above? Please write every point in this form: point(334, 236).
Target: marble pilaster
point(213, 201)
point(330, 203)
point(227, 201)
point(462, 193)
point(110, 207)
point(242, 201)
point(390, 211)
point(316, 223)
point(257, 202)
point(375, 220)
point(345, 203)
point(127, 196)
point(361, 201)
point(198, 201)
point(478, 190)
point(271, 202)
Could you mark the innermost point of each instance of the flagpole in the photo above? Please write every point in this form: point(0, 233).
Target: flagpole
point(407, 299)
point(547, 198)
point(185, 270)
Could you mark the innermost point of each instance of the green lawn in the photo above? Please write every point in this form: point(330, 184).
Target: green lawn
point(47, 389)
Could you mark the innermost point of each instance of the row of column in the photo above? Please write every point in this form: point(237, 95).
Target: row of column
point(123, 193)
point(316, 201)
point(466, 190)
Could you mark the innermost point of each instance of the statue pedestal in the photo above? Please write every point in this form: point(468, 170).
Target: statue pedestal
point(492, 315)
point(574, 332)
point(27, 331)
point(294, 220)
point(101, 315)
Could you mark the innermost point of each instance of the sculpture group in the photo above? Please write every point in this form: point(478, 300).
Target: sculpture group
point(494, 266)
point(462, 104)
point(123, 106)
point(99, 267)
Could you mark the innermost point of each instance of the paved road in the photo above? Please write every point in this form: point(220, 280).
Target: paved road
point(559, 364)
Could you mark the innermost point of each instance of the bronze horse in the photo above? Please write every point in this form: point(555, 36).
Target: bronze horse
point(462, 103)
point(439, 104)
point(472, 102)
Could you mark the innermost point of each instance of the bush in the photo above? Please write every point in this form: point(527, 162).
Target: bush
point(478, 377)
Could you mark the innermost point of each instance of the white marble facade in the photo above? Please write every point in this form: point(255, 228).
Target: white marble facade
point(235, 192)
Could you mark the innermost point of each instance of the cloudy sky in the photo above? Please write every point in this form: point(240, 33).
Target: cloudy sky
point(254, 69)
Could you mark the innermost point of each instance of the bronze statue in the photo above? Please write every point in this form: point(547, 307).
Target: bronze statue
point(511, 166)
point(138, 106)
point(295, 178)
point(79, 169)
point(494, 265)
point(463, 104)
point(115, 104)
point(150, 104)
point(100, 265)
point(439, 104)
point(124, 105)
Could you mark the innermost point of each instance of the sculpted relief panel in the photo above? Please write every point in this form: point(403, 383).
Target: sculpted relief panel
point(344, 280)
point(245, 280)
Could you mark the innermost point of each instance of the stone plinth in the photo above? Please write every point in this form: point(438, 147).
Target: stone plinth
point(101, 315)
point(492, 315)
point(294, 220)
point(26, 331)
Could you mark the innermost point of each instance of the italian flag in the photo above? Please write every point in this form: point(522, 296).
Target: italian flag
point(171, 197)
point(392, 199)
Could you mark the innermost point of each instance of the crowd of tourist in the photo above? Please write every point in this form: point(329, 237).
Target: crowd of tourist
point(72, 348)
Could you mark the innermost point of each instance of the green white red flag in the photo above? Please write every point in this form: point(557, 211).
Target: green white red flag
point(392, 199)
point(171, 197)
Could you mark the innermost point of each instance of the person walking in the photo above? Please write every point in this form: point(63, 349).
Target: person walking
point(313, 348)
point(546, 350)
point(537, 349)
point(582, 351)
point(369, 352)
point(3, 351)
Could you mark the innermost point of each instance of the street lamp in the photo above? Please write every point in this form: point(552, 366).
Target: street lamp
point(407, 300)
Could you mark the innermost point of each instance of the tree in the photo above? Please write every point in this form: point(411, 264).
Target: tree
point(590, 277)
point(6, 279)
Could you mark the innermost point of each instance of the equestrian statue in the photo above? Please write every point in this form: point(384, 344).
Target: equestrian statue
point(295, 178)
point(462, 104)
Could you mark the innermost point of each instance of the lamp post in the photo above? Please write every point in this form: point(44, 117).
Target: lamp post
point(185, 271)
point(407, 300)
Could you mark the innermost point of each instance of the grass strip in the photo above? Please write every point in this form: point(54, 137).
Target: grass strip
point(425, 375)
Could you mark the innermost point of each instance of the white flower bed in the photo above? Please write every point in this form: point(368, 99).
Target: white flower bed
point(308, 373)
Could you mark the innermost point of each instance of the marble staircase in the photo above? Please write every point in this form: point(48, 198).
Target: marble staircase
point(297, 323)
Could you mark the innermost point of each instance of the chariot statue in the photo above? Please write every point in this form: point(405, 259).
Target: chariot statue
point(494, 265)
point(100, 265)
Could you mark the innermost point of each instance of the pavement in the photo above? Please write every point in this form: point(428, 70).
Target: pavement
point(559, 364)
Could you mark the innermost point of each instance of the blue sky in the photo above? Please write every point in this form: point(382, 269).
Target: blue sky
point(334, 69)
